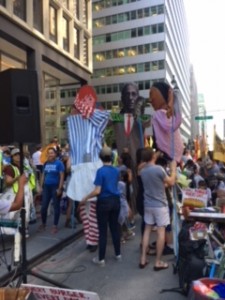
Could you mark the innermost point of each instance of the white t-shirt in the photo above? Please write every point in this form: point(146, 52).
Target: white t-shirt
point(4, 206)
point(36, 158)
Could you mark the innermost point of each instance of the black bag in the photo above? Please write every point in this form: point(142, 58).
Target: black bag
point(190, 262)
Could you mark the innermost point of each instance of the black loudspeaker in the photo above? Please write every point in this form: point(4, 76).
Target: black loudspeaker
point(19, 112)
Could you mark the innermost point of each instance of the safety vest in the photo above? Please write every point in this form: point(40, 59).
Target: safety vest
point(31, 183)
point(115, 159)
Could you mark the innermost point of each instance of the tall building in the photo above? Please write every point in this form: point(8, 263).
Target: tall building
point(195, 130)
point(53, 37)
point(140, 41)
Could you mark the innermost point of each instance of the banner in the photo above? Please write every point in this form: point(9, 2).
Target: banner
point(219, 148)
point(194, 198)
point(52, 293)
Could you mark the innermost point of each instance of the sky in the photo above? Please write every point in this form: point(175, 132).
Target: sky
point(206, 27)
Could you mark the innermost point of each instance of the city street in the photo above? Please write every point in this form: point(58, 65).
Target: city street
point(73, 267)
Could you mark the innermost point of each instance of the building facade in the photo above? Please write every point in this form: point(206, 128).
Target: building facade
point(53, 37)
point(140, 41)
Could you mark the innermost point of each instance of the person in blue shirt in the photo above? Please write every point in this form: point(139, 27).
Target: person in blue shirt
point(52, 184)
point(108, 205)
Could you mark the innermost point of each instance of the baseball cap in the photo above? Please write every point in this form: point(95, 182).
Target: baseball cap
point(15, 151)
point(106, 151)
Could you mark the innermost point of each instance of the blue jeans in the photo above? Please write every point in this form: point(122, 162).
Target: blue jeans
point(49, 192)
point(108, 212)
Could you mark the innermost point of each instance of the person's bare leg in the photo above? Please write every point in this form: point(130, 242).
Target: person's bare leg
point(145, 243)
point(160, 244)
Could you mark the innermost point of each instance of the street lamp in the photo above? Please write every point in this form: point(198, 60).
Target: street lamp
point(174, 83)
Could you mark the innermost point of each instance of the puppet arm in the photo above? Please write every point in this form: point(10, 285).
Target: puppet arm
point(164, 123)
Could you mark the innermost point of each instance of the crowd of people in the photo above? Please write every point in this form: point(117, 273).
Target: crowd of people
point(125, 183)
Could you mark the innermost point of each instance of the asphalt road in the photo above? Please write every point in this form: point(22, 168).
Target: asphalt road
point(116, 281)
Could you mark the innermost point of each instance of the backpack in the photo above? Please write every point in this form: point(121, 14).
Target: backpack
point(190, 262)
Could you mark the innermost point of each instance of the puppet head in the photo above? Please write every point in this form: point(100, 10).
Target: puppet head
point(129, 97)
point(161, 97)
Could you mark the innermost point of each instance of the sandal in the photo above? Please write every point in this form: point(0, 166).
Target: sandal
point(54, 230)
point(142, 266)
point(161, 266)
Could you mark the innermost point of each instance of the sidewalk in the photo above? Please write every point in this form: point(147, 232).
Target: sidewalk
point(36, 243)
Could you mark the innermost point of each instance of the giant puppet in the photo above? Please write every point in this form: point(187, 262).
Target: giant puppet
point(86, 127)
point(129, 125)
point(166, 120)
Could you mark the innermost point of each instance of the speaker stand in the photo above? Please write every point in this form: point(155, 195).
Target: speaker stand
point(25, 270)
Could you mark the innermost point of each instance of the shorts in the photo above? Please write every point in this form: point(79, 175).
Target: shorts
point(157, 215)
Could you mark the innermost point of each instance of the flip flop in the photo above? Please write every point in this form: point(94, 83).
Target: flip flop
point(142, 266)
point(163, 266)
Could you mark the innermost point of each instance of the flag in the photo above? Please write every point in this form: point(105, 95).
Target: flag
point(219, 148)
point(197, 148)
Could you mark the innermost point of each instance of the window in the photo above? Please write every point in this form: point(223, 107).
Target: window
point(146, 48)
point(76, 43)
point(53, 24)
point(160, 28)
point(85, 51)
point(65, 33)
point(107, 3)
point(37, 15)
point(161, 64)
point(140, 31)
point(141, 85)
point(147, 85)
point(114, 19)
point(146, 30)
point(140, 49)
point(133, 15)
point(108, 89)
point(108, 38)
point(155, 66)
point(133, 33)
point(76, 9)
point(146, 12)
point(140, 13)
point(140, 68)
point(109, 55)
point(161, 46)
point(108, 20)
point(85, 12)
point(154, 11)
point(19, 9)
point(147, 67)
point(115, 88)
point(154, 47)
point(160, 9)
point(154, 29)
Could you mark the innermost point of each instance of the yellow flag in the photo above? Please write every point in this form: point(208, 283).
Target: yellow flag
point(219, 148)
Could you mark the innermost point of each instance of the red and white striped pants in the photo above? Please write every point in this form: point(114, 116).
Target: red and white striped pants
point(89, 220)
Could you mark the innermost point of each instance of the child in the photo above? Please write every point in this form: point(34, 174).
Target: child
point(202, 185)
point(123, 187)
